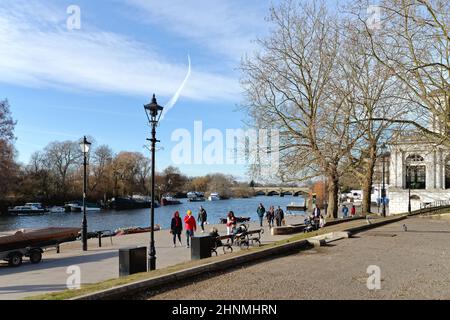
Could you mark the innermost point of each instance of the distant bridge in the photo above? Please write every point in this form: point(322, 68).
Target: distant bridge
point(282, 191)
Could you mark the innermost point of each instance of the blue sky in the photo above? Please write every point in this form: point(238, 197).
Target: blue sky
point(63, 84)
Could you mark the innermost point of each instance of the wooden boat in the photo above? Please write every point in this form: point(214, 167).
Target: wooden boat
point(37, 238)
point(133, 230)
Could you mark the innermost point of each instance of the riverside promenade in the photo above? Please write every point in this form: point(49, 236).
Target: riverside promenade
point(99, 264)
point(413, 264)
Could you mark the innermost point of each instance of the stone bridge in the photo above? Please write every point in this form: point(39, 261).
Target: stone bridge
point(282, 191)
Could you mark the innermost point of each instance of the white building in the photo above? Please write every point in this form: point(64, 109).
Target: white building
point(422, 165)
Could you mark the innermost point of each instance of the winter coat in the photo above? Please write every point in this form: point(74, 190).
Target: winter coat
point(176, 226)
point(190, 223)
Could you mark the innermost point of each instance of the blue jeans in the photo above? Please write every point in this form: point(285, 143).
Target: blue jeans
point(189, 234)
point(261, 221)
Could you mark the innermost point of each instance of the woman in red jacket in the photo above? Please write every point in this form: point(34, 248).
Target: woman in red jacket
point(190, 226)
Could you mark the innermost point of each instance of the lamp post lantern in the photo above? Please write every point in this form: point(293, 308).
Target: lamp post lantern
point(151, 110)
point(383, 190)
point(85, 145)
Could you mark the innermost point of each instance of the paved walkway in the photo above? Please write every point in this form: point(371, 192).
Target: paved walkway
point(98, 264)
point(413, 264)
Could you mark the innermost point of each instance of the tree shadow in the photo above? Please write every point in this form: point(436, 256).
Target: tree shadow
point(56, 262)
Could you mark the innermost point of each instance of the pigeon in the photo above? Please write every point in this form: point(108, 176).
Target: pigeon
point(405, 228)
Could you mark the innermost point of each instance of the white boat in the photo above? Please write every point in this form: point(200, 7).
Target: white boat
point(214, 197)
point(195, 196)
point(57, 209)
point(77, 206)
point(26, 210)
point(296, 206)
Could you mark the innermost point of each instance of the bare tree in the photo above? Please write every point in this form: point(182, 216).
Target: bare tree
point(375, 93)
point(62, 158)
point(293, 85)
point(412, 40)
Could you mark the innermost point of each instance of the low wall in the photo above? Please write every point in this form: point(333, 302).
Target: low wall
point(298, 228)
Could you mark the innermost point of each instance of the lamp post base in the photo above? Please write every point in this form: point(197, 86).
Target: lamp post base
point(151, 263)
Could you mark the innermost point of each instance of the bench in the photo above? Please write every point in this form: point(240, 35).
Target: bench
point(219, 242)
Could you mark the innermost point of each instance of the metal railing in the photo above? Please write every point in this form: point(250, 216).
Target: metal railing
point(432, 207)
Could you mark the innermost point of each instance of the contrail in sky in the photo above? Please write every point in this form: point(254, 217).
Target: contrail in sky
point(175, 97)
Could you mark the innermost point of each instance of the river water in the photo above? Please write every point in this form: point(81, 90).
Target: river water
point(112, 220)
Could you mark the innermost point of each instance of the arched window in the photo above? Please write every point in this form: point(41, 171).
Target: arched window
point(415, 172)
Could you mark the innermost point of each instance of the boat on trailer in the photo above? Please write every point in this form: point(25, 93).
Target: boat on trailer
point(32, 243)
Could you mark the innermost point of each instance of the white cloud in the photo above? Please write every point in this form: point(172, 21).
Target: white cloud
point(225, 26)
point(37, 50)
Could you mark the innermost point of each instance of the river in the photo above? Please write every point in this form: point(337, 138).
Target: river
point(112, 220)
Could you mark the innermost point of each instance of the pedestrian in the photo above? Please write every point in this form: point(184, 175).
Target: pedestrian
point(202, 218)
point(353, 210)
point(261, 210)
point(279, 216)
point(344, 211)
point(231, 222)
point(176, 227)
point(270, 216)
point(316, 212)
point(321, 221)
point(190, 226)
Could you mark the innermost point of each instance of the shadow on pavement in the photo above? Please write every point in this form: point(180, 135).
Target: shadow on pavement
point(56, 263)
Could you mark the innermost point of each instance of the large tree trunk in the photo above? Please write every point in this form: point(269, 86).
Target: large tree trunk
point(333, 194)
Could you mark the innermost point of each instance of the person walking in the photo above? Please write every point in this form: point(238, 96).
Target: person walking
point(261, 210)
point(316, 212)
point(353, 212)
point(279, 216)
point(321, 221)
point(344, 211)
point(231, 222)
point(176, 227)
point(270, 216)
point(202, 218)
point(190, 226)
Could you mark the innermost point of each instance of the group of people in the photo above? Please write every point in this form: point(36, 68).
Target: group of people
point(176, 226)
point(190, 223)
point(271, 215)
point(345, 211)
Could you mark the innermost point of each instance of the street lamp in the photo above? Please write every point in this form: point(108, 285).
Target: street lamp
point(408, 182)
point(383, 190)
point(151, 110)
point(85, 146)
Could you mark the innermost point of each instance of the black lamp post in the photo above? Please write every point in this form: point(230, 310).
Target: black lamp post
point(383, 190)
point(408, 182)
point(151, 110)
point(85, 146)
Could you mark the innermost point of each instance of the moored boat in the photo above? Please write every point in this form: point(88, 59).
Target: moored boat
point(295, 206)
point(133, 230)
point(26, 210)
point(169, 201)
point(77, 206)
point(214, 197)
point(196, 197)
